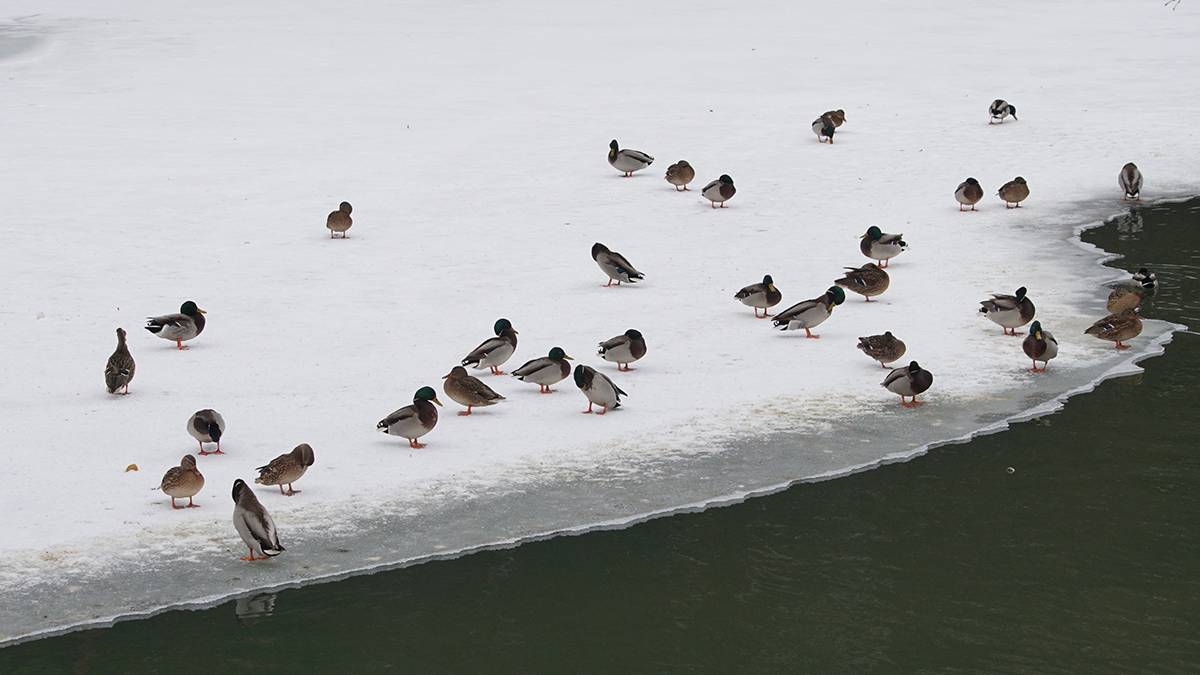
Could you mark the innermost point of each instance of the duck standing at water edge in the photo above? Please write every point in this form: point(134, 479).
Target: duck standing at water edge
point(1118, 328)
point(1010, 312)
point(911, 380)
point(287, 469)
point(885, 349)
point(1039, 345)
point(253, 524)
point(1130, 180)
point(182, 481)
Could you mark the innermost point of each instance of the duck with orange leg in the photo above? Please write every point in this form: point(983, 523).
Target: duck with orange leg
point(719, 191)
point(868, 281)
point(810, 313)
point(615, 265)
point(1118, 328)
point(494, 351)
point(909, 381)
point(183, 481)
point(207, 426)
point(413, 421)
point(253, 524)
point(1039, 345)
point(762, 296)
point(1010, 312)
point(178, 328)
point(468, 391)
point(287, 469)
point(624, 349)
point(546, 370)
point(598, 389)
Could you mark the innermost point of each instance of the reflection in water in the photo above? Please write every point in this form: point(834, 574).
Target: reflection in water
point(251, 608)
point(1130, 223)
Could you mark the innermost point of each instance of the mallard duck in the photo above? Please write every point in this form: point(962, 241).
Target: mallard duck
point(1013, 193)
point(1129, 294)
point(1040, 345)
point(182, 481)
point(908, 381)
point(1009, 311)
point(810, 313)
point(1117, 328)
point(181, 327)
point(878, 245)
point(760, 296)
point(838, 117)
point(254, 525)
point(824, 127)
point(614, 265)
point(118, 372)
point(467, 390)
point(1131, 182)
point(680, 174)
point(495, 351)
point(1001, 109)
point(623, 349)
point(339, 221)
point(885, 348)
point(413, 421)
point(207, 426)
point(719, 191)
point(598, 389)
point(868, 281)
point(545, 371)
point(627, 161)
point(968, 193)
point(286, 469)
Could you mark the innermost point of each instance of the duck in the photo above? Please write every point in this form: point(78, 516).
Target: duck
point(868, 281)
point(1039, 345)
point(494, 351)
point(878, 245)
point(810, 313)
point(470, 391)
point(910, 380)
point(1118, 328)
point(1009, 311)
point(546, 370)
point(598, 389)
point(885, 349)
point(824, 127)
point(1130, 293)
point(719, 191)
point(286, 469)
point(207, 426)
point(182, 481)
point(181, 327)
point(623, 349)
point(1130, 180)
point(1014, 192)
point(253, 524)
point(760, 296)
point(680, 174)
point(968, 193)
point(627, 161)
point(838, 117)
point(118, 372)
point(413, 421)
point(1001, 109)
point(614, 265)
point(339, 221)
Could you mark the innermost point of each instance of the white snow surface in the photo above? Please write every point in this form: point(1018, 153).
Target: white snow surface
point(155, 152)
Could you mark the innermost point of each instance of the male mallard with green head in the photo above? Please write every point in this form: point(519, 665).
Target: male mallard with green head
point(810, 313)
point(339, 221)
point(885, 348)
point(546, 370)
point(1039, 345)
point(624, 349)
point(468, 391)
point(881, 246)
point(1130, 293)
point(118, 372)
point(868, 281)
point(719, 191)
point(680, 174)
point(207, 426)
point(287, 469)
point(1010, 312)
point(824, 127)
point(760, 296)
point(911, 380)
point(181, 327)
point(413, 421)
point(1014, 192)
point(1117, 328)
point(627, 161)
point(183, 481)
point(598, 389)
point(495, 351)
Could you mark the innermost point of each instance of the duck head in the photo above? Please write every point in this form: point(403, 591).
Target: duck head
point(189, 308)
point(874, 233)
point(557, 354)
point(1035, 329)
point(501, 326)
point(836, 295)
point(426, 394)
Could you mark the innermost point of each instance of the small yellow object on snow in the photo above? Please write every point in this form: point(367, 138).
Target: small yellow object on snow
point(131, 467)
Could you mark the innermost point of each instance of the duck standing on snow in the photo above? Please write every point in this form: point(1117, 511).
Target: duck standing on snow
point(719, 191)
point(908, 381)
point(1131, 182)
point(878, 245)
point(207, 426)
point(680, 174)
point(467, 390)
point(182, 481)
point(614, 265)
point(760, 296)
point(868, 281)
point(838, 117)
point(545, 371)
point(624, 349)
point(627, 161)
point(181, 327)
point(287, 469)
point(598, 389)
point(810, 313)
point(1129, 294)
point(1117, 328)
point(885, 349)
point(1014, 192)
point(495, 351)
point(824, 127)
point(413, 421)
point(1009, 311)
point(339, 221)
point(1001, 109)
point(254, 524)
point(968, 193)
point(118, 372)
point(1040, 345)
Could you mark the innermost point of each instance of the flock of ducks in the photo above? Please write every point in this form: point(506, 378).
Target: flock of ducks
point(413, 422)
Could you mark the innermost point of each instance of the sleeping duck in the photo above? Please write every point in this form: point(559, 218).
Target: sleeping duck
point(598, 389)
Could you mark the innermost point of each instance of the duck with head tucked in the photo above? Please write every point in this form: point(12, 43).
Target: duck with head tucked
point(624, 349)
point(885, 348)
point(968, 193)
point(999, 110)
point(1118, 328)
point(719, 191)
point(340, 221)
point(1010, 312)
point(680, 174)
point(1014, 192)
point(413, 421)
point(1130, 180)
point(824, 127)
point(881, 246)
point(207, 426)
point(1039, 345)
point(287, 469)
point(912, 380)
point(181, 327)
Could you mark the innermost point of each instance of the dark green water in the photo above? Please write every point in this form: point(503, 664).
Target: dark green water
point(1086, 559)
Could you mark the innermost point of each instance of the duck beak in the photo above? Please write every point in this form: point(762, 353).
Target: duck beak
point(201, 311)
point(446, 376)
point(1037, 335)
point(435, 400)
point(568, 357)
